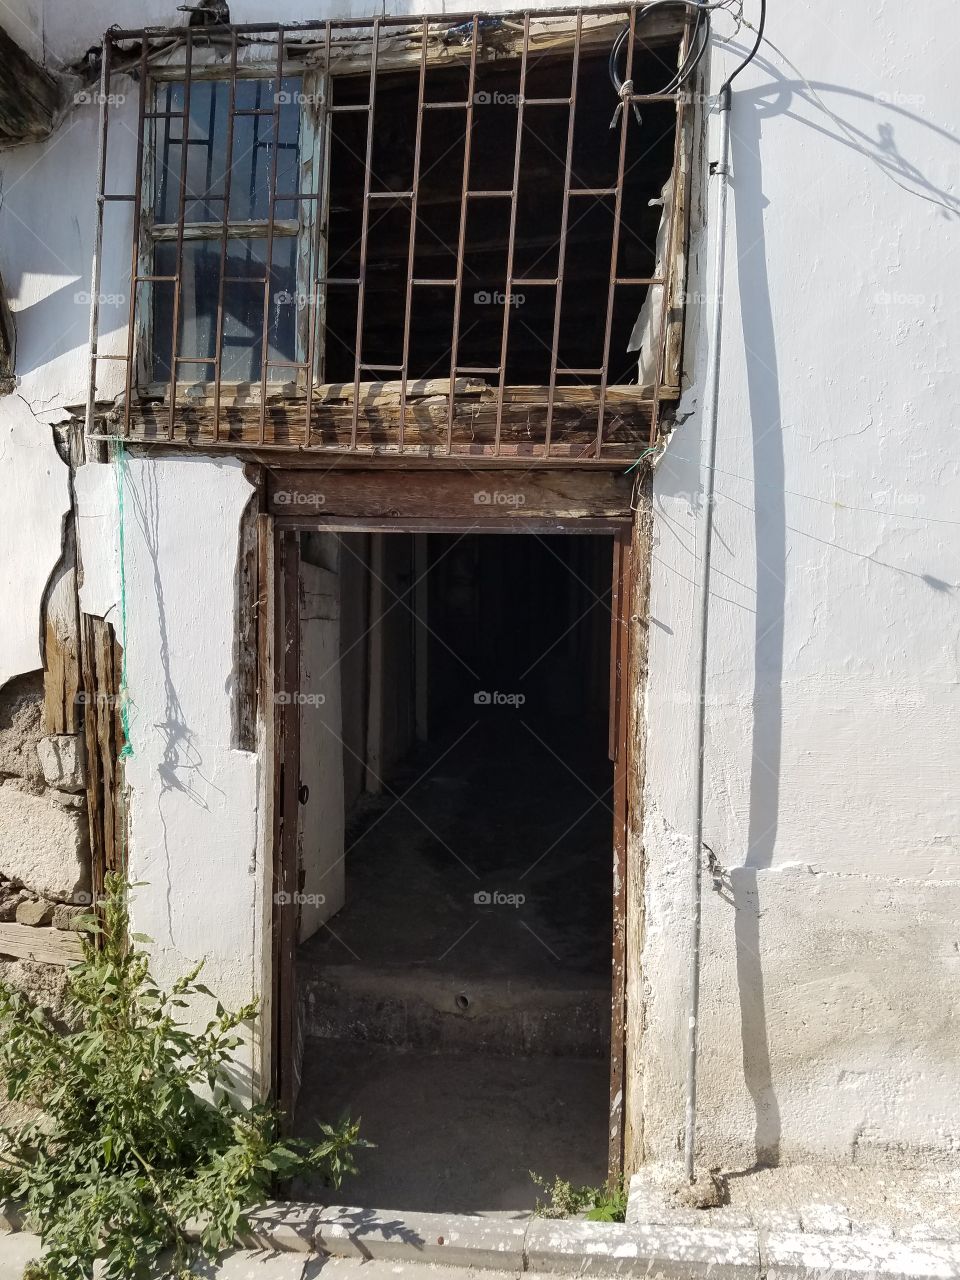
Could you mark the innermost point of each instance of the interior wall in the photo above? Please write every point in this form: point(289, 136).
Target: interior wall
point(830, 965)
point(354, 649)
point(321, 808)
point(399, 706)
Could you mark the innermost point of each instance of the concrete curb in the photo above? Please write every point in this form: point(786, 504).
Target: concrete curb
point(449, 1238)
point(564, 1247)
point(799, 1256)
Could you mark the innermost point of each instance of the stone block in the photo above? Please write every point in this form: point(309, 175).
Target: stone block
point(66, 916)
point(63, 761)
point(34, 912)
point(43, 846)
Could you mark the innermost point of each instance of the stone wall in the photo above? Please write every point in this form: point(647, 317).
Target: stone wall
point(44, 845)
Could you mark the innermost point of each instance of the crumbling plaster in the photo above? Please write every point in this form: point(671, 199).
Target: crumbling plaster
point(831, 943)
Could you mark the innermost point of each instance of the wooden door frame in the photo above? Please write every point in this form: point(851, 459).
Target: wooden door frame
point(284, 528)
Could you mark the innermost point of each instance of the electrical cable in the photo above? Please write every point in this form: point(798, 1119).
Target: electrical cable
point(698, 44)
point(725, 87)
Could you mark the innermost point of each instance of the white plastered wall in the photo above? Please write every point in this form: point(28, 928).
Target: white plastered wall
point(831, 938)
point(194, 845)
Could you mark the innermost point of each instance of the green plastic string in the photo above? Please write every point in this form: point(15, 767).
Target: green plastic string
point(646, 453)
point(120, 469)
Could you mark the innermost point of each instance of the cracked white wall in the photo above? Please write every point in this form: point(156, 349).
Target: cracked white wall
point(832, 948)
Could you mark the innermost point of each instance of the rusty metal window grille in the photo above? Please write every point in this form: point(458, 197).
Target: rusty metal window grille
point(447, 236)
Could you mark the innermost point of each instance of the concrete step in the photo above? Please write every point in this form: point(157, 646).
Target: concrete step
point(19, 1248)
point(426, 1010)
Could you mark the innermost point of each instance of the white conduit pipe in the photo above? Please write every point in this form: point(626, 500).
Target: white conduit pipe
point(708, 453)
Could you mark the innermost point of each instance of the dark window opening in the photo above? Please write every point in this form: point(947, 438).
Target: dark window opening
point(540, 253)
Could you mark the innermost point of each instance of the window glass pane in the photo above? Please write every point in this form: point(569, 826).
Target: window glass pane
point(253, 144)
point(207, 162)
point(243, 300)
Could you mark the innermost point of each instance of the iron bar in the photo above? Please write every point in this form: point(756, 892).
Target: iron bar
point(462, 232)
point(135, 243)
point(224, 238)
point(364, 231)
point(512, 233)
point(625, 118)
point(318, 295)
point(271, 222)
point(412, 242)
point(95, 267)
point(564, 224)
point(181, 213)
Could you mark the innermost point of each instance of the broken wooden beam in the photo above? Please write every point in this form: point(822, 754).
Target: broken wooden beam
point(30, 97)
point(48, 946)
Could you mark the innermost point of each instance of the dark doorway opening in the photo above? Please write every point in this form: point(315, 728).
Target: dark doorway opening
point(454, 965)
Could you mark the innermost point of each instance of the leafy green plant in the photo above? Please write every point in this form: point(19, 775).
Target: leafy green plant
point(140, 1130)
point(596, 1204)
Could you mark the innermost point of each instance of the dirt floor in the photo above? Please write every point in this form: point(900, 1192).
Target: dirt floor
point(457, 1133)
point(515, 807)
point(459, 1003)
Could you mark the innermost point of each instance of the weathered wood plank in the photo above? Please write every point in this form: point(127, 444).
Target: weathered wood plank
point(438, 494)
point(49, 946)
point(246, 654)
point(400, 51)
point(627, 421)
point(641, 550)
point(8, 344)
point(61, 677)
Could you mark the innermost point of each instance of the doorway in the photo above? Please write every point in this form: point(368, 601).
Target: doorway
point(453, 961)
